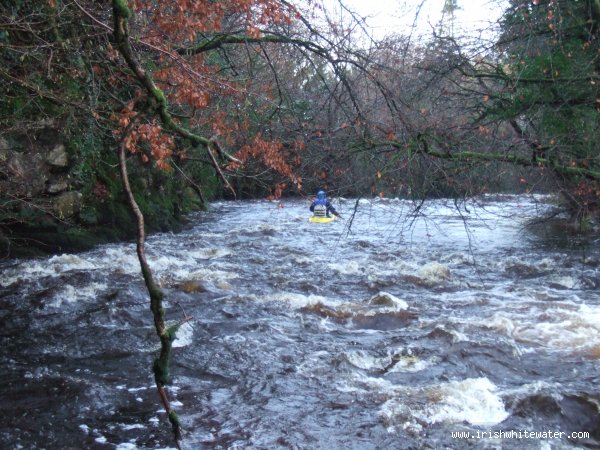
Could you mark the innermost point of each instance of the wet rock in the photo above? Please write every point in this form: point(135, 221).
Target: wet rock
point(57, 186)
point(363, 318)
point(565, 282)
point(591, 261)
point(57, 157)
point(326, 311)
point(385, 299)
point(4, 146)
point(525, 271)
point(23, 175)
point(67, 204)
point(191, 286)
point(15, 165)
point(413, 279)
point(442, 334)
point(590, 282)
point(575, 413)
point(430, 275)
point(384, 321)
point(580, 413)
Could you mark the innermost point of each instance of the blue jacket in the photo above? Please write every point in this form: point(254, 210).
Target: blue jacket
point(326, 202)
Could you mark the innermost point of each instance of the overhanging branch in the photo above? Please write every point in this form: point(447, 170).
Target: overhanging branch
point(422, 146)
point(121, 35)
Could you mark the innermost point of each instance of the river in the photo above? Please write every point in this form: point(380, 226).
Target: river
point(389, 329)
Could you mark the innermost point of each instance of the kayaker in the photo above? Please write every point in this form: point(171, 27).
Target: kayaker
point(322, 207)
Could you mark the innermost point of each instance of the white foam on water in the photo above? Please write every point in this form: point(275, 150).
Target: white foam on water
point(209, 253)
point(326, 325)
point(54, 266)
point(142, 388)
point(363, 360)
point(434, 273)
point(315, 364)
point(72, 294)
point(409, 363)
point(473, 400)
point(563, 329)
point(348, 268)
point(184, 335)
point(121, 260)
point(551, 389)
point(132, 426)
point(205, 274)
point(457, 259)
point(126, 446)
point(363, 384)
point(261, 227)
point(457, 336)
point(298, 301)
point(562, 326)
point(564, 281)
point(501, 322)
point(181, 262)
point(430, 274)
point(165, 265)
point(391, 363)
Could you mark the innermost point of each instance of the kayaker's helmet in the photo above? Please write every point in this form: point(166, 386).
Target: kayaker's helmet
point(321, 195)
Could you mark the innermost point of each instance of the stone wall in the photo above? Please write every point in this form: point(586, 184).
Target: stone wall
point(34, 169)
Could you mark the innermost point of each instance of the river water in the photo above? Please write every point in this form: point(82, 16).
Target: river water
point(389, 329)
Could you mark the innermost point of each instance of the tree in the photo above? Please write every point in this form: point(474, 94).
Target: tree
point(465, 116)
point(551, 92)
point(448, 19)
point(161, 84)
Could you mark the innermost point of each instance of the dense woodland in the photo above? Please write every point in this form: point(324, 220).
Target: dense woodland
point(264, 98)
point(119, 117)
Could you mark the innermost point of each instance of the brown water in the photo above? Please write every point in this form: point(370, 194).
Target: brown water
point(393, 333)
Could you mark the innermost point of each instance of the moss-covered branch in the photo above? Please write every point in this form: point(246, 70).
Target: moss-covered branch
point(166, 334)
point(218, 40)
point(423, 146)
point(121, 36)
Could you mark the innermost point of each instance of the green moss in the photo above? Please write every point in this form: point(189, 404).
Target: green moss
point(122, 8)
point(586, 224)
point(175, 424)
point(161, 371)
point(160, 97)
point(172, 331)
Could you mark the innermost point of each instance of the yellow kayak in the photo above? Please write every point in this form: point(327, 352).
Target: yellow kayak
point(316, 219)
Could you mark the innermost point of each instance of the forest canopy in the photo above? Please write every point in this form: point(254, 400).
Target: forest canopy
point(269, 98)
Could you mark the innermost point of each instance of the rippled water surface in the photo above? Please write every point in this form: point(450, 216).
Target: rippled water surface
point(385, 330)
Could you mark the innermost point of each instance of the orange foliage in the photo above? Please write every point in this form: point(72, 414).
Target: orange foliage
point(196, 87)
point(277, 192)
point(181, 21)
point(160, 144)
point(271, 155)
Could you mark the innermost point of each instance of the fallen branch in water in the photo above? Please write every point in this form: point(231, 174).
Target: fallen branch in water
point(166, 334)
